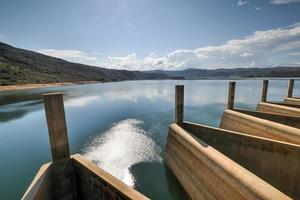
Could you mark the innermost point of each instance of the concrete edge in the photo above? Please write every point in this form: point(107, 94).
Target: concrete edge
point(36, 182)
point(279, 106)
point(293, 132)
point(240, 133)
point(269, 113)
point(118, 185)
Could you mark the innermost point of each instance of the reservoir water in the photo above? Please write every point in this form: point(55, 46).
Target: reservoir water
point(121, 127)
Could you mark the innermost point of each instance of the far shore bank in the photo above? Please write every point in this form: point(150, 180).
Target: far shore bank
point(59, 84)
point(42, 85)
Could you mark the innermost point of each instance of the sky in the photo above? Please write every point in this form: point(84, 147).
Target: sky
point(157, 34)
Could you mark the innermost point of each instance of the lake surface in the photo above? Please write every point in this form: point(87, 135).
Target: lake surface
point(120, 126)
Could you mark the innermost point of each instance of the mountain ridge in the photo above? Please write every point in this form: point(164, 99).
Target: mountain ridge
point(20, 66)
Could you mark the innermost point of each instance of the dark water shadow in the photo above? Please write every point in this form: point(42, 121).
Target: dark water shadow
point(147, 176)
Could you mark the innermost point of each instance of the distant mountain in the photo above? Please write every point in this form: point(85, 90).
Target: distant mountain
point(280, 71)
point(19, 66)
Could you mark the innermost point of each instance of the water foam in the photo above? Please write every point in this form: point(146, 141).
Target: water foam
point(122, 146)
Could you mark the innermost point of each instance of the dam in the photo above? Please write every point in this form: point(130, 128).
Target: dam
point(260, 147)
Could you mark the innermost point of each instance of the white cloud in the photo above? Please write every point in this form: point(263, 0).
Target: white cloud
point(278, 2)
point(241, 3)
point(260, 49)
point(70, 55)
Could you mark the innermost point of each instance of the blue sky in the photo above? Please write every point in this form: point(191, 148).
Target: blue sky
point(157, 34)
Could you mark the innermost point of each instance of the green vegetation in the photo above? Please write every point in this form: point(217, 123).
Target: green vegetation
point(18, 66)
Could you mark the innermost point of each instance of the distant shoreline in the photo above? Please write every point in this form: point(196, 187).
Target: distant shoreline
point(57, 84)
point(42, 85)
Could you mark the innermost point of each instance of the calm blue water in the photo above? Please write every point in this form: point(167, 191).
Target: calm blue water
point(120, 126)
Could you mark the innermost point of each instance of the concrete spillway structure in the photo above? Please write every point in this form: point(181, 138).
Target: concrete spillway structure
point(281, 127)
point(290, 105)
point(72, 177)
point(214, 163)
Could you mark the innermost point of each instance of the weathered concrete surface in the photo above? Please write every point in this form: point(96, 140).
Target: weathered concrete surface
point(279, 118)
point(95, 183)
point(231, 93)
point(179, 104)
point(40, 186)
point(290, 88)
point(278, 108)
point(81, 180)
point(240, 122)
point(292, 101)
point(264, 91)
point(205, 173)
point(276, 162)
point(57, 127)
point(64, 185)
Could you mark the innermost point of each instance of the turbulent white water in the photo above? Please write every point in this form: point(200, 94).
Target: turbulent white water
point(122, 146)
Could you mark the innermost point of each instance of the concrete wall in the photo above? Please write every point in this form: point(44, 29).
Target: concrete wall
point(278, 108)
point(40, 186)
point(283, 119)
point(64, 185)
point(292, 101)
point(95, 183)
point(244, 123)
point(277, 163)
point(78, 178)
point(205, 173)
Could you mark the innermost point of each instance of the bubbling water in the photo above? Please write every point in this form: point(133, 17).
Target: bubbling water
point(122, 146)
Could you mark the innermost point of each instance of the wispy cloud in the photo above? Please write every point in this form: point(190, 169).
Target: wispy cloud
point(70, 55)
point(278, 2)
point(241, 2)
point(260, 49)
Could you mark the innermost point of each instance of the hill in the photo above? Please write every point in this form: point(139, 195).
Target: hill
point(191, 73)
point(19, 66)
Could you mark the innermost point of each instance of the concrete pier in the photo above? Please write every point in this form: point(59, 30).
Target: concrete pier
point(290, 88)
point(57, 127)
point(264, 91)
point(231, 93)
point(179, 103)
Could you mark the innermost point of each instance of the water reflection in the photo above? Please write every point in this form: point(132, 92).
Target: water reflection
point(16, 104)
point(125, 144)
point(96, 113)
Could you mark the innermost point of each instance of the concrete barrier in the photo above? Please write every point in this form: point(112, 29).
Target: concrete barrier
point(292, 101)
point(40, 186)
point(279, 118)
point(206, 173)
point(88, 182)
point(278, 108)
point(244, 123)
point(276, 162)
point(96, 183)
